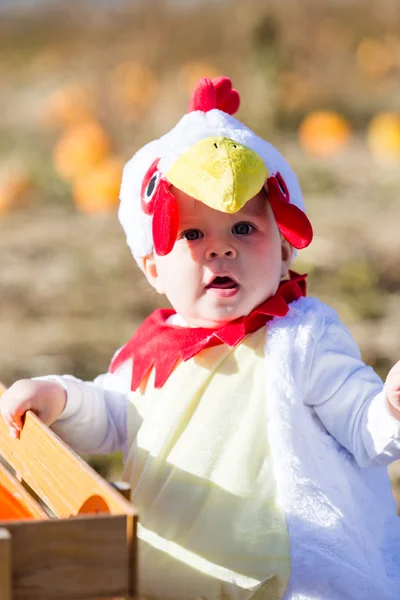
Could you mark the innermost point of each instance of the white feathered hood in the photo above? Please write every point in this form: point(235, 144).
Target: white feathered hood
point(146, 174)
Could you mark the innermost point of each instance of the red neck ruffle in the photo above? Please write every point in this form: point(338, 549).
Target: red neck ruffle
point(160, 345)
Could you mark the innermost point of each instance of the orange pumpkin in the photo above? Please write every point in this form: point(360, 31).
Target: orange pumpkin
point(324, 133)
point(373, 57)
point(80, 149)
point(383, 137)
point(98, 190)
point(14, 183)
point(69, 105)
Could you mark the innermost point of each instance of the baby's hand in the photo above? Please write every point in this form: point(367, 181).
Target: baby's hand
point(392, 387)
point(47, 399)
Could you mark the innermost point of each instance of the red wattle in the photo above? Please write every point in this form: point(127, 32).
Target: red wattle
point(165, 220)
point(292, 222)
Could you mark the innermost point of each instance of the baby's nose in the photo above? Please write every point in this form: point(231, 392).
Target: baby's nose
point(220, 249)
point(217, 254)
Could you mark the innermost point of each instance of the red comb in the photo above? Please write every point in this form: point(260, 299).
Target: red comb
point(216, 93)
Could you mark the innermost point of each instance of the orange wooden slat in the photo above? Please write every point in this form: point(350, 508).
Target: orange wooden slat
point(63, 480)
point(31, 508)
point(68, 486)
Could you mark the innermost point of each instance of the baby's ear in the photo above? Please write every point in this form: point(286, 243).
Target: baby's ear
point(149, 268)
point(287, 255)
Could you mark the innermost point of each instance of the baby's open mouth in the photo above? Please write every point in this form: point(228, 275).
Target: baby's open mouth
point(222, 283)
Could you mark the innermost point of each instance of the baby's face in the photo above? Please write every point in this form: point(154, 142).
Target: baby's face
point(222, 265)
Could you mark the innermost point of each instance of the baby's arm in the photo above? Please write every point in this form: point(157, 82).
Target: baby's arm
point(95, 416)
point(89, 417)
point(350, 399)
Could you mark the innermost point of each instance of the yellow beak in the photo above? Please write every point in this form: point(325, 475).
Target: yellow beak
point(219, 172)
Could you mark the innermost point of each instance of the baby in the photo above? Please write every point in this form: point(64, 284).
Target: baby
point(255, 438)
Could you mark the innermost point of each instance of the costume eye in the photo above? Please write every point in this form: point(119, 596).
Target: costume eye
point(242, 228)
point(192, 235)
point(282, 185)
point(151, 186)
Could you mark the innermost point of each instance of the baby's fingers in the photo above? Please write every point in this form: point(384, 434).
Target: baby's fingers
point(13, 416)
point(14, 423)
point(13, 405)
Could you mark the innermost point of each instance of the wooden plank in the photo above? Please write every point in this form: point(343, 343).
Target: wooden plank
point(5, 564)
point(59, 476)
point(70, 559)
point(33, 509)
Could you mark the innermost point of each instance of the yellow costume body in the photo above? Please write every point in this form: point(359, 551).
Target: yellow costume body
point(203, 480)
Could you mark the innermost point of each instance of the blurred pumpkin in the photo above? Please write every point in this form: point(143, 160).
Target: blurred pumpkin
point(373, 57)
point(98, 190)
point(14, 183)
point(79, 149)
point(383, 137)
point(324, 133)
point(293, 90)
point(191, 71)
point(69, 105)
point(134, 88)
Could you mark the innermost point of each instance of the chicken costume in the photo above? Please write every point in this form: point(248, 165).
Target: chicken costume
point(256, 452)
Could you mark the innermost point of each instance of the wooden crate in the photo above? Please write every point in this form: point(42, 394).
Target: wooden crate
point(87, 550)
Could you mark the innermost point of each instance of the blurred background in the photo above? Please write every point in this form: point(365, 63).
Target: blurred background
point(84, 85)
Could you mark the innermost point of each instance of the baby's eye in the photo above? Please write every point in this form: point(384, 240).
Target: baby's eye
point(242, 228)
point(192, 234)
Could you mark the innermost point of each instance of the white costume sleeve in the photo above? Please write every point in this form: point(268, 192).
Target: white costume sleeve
point(349, 399)
point(94, 420)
